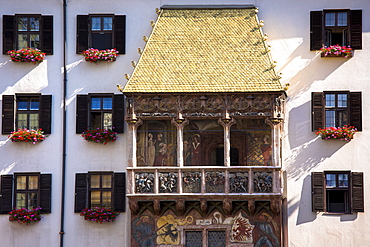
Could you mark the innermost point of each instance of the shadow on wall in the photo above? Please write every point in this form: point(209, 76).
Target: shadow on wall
point(307, 149)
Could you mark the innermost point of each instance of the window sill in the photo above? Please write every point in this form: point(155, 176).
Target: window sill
point(335, 55)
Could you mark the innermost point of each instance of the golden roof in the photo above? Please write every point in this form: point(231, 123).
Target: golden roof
point(205, 50)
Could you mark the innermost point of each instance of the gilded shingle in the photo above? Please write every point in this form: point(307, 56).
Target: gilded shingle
point(205, 50)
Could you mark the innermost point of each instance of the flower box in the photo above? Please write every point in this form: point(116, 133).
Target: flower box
point(101, 136)
point(30, 136)
point(95, 55)
point(27, 55)
point(344, 133)
point(336, 51)
point(25, 216)
point(99, 215)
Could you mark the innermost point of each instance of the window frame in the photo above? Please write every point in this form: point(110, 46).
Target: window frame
point(100, 189)
point(27, 190)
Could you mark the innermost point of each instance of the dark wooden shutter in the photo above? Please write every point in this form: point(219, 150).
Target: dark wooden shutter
point(120, 192)
point(318, 191)
point(80, 192)
point(6, 194)
point(82, 33)
point(317, 108)
point(120, 33)
point(47, 34)
point(82, 113)
point(357, 192)
point(355, 21)
point(118, 113)
point(45, 117)
point(8, 114)
point(8, 33)
point(316, 30)
point(355, 110)
point(45, 193)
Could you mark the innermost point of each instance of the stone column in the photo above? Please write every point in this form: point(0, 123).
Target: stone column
point(276, 140)
point(226, 123)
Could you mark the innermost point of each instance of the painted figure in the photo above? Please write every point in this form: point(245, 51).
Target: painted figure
point(195, 158)
point(266, 151)
point(151, 149)
point(143, 231)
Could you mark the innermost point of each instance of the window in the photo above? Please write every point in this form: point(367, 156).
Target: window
point(29, 190)
point(213, 238)
point(101, 32)
point(336, 109)
point(100, 189)
point(32, 111)
point(100, 111)
point(337, 191)
point(336, 27)
point(22, 31)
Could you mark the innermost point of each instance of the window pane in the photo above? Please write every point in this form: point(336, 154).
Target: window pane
point(330, 118)
point(107, 23)
point(342, 118)
point(35, 24)
point(34, 121)
point(216, 239)
point(95, 103)
point(329, 19)
point(342, 100)
point(106, 181)
point(95, 199)
point(32, 200)
point(106, 202)
point(22, 23)
point(34, 104)
point(329, 100)
point(33, 182)
point(94, 181)
point(95, 23)
point(343, 180)
point(22, 41)
point(108, 121)
point(330, 180)
point(96, 120)
point(21, 182)
point(20, 201)
point(107, 103)
point(22, 121)
point(193, 239)
point(34, 41)
point(23, 104)
point(342, 19)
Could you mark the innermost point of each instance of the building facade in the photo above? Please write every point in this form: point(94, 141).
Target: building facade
point(216, 114)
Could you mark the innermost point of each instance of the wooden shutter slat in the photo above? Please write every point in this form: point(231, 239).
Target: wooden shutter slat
point(82, 33)
point(8, 114)
point(80, 192)
point(6, 194)
point(46, 113)
point(120, 192)
point(118, 113)
point(355, 110)
point(82, 113)
point(8, 32)
point(317, 101)
point(318, 191)
point(357, 192)
point(45, 193)
point(316, 30)
point(47, 34)
point(120, 33)
point(355, 19)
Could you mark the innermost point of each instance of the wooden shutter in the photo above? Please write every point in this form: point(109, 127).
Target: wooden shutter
point(118, 113)
point(6, 194)
point(120, 33)
point(82, 113)
point(8, 33)
point(120, 192)
point(355, 21)
point(8, 114)
point(316, 30)
point(318, 191)
point(355, 110)
point(357, 192)
point(47, 34)
point(45, 113)
point(82, 33)
point(317, 108)
point(80, 192)
point(45, 193)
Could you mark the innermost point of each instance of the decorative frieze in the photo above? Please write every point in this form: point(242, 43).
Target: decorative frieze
point(167, 182)
point(238, 182)
point(144, 182)
point(262, 182)
point(192, 182)
point(215, 182)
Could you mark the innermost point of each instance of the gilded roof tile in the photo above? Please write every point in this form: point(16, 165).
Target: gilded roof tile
point(204, 50)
